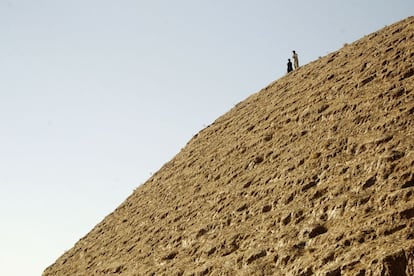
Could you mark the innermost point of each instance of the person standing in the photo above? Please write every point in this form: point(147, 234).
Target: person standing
point(289, 66)
point(295, 60)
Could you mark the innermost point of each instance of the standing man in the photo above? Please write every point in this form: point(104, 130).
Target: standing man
point(289, 66)
point(295, 60)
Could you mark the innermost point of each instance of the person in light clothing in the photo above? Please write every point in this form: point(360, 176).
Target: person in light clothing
point(295, 60)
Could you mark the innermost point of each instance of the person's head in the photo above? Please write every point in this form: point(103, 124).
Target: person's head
point(294, 51)
point(289, 59)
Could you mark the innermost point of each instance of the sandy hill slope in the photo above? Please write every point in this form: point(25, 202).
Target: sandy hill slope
point(312, 175)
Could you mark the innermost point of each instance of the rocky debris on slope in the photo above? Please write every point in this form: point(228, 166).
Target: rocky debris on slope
point(310, 176)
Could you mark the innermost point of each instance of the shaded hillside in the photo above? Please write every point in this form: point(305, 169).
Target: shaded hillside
point(311, 175)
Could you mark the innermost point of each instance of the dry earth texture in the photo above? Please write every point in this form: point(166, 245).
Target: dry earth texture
point(312, 175)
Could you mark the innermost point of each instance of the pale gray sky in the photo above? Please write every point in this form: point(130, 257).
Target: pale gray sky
point(97, 95)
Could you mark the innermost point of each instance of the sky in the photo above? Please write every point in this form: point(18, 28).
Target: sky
point(96, 95)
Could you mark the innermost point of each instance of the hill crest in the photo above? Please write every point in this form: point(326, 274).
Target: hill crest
point(311, 175)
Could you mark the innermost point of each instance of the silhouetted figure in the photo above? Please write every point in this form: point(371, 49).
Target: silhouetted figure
point(295, 60)
point(289, 66)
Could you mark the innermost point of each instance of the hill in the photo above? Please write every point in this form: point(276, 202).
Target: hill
point(311, 175)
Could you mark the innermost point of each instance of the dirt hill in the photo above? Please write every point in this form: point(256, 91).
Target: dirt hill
point(312, 175)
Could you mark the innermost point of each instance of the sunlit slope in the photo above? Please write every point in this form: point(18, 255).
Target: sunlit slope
point(311, 175)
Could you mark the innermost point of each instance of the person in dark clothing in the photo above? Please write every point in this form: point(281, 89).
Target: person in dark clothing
point(289, 66)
